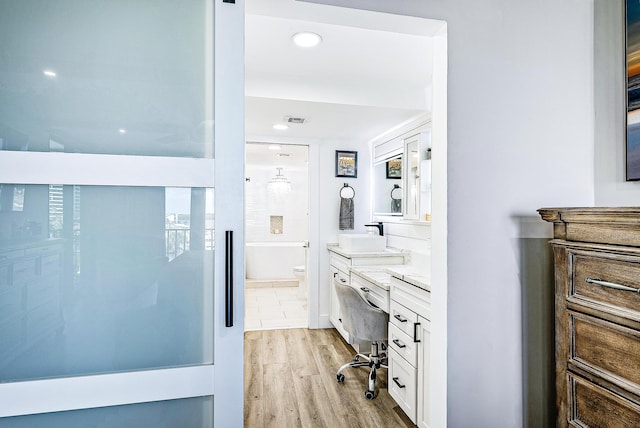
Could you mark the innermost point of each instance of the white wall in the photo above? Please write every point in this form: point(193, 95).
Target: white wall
point(260, 205)
point(520, 137)
point(329, 197)
point(611, 189)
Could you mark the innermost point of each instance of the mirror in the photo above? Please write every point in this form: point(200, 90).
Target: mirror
point(387, 187)
point(412, 178)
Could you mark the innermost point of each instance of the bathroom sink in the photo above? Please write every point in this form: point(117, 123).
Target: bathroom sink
point(361, 242)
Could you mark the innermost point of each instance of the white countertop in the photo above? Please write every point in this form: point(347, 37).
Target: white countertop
point(408, 274)
point(378, 275)
point(389, 252)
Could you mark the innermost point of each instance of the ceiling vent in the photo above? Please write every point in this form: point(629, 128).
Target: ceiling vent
point(296, 120)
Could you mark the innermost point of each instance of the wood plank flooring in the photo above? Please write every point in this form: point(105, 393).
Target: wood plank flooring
point(290, 381)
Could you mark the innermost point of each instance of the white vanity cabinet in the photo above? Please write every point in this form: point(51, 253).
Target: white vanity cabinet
point(409, 347)
point(340, 264)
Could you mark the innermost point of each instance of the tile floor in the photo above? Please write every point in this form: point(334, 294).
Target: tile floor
point(274, 305)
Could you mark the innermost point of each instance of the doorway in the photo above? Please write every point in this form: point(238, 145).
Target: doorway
point(277, 236)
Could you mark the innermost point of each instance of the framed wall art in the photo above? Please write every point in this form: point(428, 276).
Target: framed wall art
point(346, 164)
point(633, 90)
point(394, 168)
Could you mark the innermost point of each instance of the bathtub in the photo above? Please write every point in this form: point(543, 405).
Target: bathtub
point(273, 260)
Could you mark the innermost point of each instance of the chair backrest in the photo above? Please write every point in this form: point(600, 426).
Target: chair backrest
point(361, 320)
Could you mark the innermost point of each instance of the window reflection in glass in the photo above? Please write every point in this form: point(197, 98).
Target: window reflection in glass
point(104, 279)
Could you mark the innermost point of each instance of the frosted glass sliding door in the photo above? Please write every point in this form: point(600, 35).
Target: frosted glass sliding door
point(116, 220)
point(104, 279)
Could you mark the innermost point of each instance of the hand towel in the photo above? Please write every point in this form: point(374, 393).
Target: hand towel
point(346, 214)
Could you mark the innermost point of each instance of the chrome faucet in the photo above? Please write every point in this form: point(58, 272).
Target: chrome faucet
point(380, 227)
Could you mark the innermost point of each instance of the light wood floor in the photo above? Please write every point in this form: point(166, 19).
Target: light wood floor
point(290, 381)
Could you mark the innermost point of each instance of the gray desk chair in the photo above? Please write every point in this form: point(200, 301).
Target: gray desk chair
point(363, 322)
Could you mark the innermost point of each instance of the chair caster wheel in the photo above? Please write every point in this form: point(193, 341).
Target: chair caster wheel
point(340, 377)
point(369, 395)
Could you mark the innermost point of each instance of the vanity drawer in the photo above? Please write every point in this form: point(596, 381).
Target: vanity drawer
point(416, 299)
point(403, 318)
point(593, 406)
point(403, 344)
point(372, 292)
point(612, 269)
point(605, 349)
point(339, 262)
point(402, 384)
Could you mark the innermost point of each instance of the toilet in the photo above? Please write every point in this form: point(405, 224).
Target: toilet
point(301, 275)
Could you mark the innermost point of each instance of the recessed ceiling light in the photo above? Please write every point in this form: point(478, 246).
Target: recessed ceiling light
point(280, 127)
point(274, 147)
point(122, 131)
point(49, 73)
point(306, 39)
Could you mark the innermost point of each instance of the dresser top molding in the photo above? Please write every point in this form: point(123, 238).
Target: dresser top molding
point(607, 225)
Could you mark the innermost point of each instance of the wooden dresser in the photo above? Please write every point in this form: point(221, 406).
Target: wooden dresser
point(597, 315)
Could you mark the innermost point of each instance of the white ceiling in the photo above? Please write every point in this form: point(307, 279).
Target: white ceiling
point(371, 72)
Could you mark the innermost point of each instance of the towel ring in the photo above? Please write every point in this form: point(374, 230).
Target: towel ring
point(347, 188)
point(396, 187)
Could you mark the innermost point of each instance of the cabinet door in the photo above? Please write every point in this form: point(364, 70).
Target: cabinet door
point(334, 312)
point(411, 175)
point(424, 374)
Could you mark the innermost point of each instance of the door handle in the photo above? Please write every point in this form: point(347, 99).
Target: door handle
point(228, 279)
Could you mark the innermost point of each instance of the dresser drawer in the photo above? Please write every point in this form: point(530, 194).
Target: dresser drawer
point(605, 349)
point(404, 345)
point(593, 406)
point(622, 270)
point(402, 384)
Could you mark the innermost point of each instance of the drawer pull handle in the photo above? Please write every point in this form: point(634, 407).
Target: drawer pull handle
point(365, 289)
point(612, 285)
point(415, 332)
point(395, 379)
point(399, 318)
point(343, 280)
point(335, 274)
point(399, 344)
